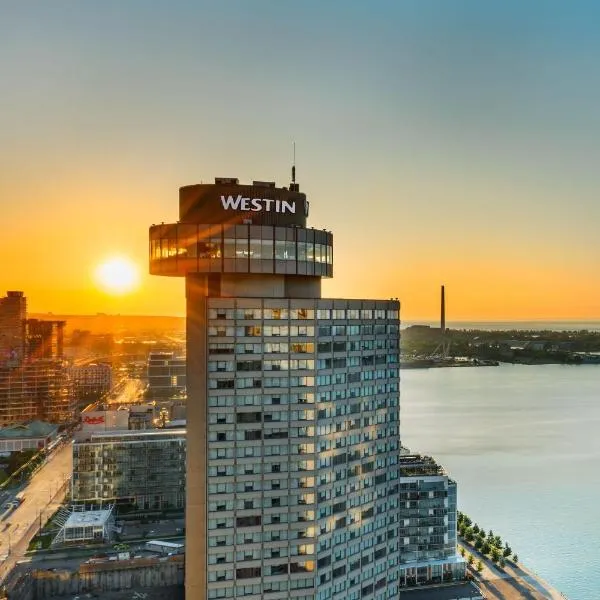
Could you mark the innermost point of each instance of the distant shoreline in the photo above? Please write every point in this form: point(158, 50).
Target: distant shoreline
point(524, 325)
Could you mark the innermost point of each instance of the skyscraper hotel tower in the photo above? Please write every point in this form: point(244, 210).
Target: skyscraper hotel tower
point(293, 404)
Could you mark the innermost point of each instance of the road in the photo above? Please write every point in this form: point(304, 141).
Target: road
point(43, 496)
point(129, 393)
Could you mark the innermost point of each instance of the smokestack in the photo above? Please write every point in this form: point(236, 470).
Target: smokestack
point(443, 313)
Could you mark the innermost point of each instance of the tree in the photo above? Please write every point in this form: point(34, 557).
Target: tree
point(479, 566)
point(469, 535)
point(467, 521)
point(507, 551)
point(497, 541)
point(495, 554)
point(462, 551)
point(476, 529)
point(502, 563)
point(482, 534)
point(470, 560)
point(515, 559)
point(485, 547)
point(478, 543)
point(490, 535)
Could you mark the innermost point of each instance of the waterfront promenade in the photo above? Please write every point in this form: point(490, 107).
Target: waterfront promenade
point(514, 582)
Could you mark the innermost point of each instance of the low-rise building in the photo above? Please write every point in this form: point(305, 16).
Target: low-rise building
point(83, 525)
point(428, 551)
point(144, 469)
point(166, 374)
point(27, 436)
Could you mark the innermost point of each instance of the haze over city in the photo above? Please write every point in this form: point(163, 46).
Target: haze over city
point(467, 129)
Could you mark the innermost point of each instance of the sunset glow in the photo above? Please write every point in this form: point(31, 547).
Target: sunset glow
point(117, 276)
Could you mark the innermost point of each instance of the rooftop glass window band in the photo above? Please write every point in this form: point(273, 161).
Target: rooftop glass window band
point(182, 247)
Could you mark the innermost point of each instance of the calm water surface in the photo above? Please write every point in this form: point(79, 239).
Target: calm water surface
point(523, 442)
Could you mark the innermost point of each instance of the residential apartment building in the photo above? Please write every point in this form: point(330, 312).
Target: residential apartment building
point(34, 383)
point(428, 551)
point(293, 405)
point(39, 389)
point(91, 381)
point(142, 469)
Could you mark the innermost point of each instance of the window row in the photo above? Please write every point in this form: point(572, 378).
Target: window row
point(216, 248)
point(261, 399)
point(260, 382)
point(222, 366)
point(259, 313)
point(258, 450)
point(259, 331)
point(266, 348)
point(302, 313)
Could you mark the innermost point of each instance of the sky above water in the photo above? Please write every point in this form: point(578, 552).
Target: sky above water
point(441, 142)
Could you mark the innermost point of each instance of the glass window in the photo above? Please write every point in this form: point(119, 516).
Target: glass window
point(241, 248)
point(276, 313)
point(290, 250)
point(302, 251)
point(255, 249)
point(229, 248)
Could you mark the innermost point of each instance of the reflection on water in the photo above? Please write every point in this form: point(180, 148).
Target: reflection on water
point(524, 445)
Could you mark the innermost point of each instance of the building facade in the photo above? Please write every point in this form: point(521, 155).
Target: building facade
point(293, 405)
point(13, 312)
point(428, 551)
point(39, 389)
point(91, 381)
point(34, 383)
point(142, 469)
point(166, 374)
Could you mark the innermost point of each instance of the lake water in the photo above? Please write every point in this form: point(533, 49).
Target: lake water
point(523, 443)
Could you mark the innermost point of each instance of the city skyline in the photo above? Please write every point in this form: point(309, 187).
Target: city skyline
point(469, 128)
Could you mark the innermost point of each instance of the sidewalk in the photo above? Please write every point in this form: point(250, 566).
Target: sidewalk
point(512, 582)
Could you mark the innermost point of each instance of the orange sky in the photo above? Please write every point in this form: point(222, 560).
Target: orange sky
point(438, 149)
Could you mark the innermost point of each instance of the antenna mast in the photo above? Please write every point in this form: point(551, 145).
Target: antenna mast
point(294, 187)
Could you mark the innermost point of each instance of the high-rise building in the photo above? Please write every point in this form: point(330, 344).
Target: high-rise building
point(13, 312)
point(44, 339)
point(34, 383)
point(293, 404)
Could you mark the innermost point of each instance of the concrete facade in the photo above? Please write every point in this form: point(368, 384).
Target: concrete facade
point(293, 405)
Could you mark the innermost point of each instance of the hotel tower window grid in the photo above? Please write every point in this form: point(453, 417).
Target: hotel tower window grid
point(293, 407)
point(303, 446)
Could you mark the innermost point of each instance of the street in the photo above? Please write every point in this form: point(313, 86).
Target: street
point(128, 393)
point(43, 496)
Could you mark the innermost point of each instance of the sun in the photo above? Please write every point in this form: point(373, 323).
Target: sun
point(117, 275)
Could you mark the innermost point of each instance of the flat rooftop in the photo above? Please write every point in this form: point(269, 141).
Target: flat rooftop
point(137, 434)
point(453, 591)
point(416, 464)
point(88, 518)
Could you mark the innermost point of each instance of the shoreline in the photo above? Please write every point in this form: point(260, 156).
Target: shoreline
point(512, 581)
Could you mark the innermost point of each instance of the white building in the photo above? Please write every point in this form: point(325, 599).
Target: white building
point(86, 526)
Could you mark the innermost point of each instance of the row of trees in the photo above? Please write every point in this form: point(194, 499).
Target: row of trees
point(487, 544)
